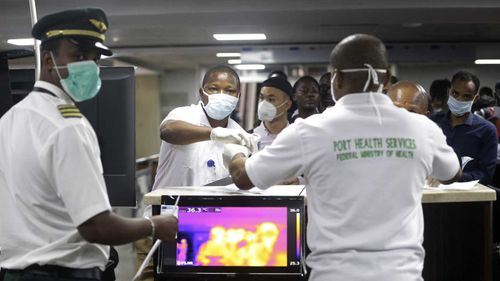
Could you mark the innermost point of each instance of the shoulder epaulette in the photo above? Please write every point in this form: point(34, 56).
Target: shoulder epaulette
point(69, 111)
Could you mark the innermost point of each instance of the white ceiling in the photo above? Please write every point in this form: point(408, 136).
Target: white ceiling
point(162, 34)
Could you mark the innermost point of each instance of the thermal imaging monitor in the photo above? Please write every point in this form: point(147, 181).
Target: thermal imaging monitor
point(229, 235)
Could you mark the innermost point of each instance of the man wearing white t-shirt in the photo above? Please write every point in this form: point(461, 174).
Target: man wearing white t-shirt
point(193, 136)
point(193, 139)
point(366, 162)
point(274, 102)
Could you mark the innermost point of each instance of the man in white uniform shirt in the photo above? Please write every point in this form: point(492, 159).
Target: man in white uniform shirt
point(366, 162)
point(193, 139)
point(54, 209)
point(193, 136)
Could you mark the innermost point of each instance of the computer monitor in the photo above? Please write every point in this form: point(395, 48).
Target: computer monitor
point(236, 236)
point(112, 115)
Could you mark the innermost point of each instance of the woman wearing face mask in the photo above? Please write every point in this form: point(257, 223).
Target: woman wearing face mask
point(274, 102)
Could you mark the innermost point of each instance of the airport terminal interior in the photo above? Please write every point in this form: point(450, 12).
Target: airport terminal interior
point(162, 50)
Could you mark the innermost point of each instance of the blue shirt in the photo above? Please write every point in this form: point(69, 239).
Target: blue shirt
point(475, 138)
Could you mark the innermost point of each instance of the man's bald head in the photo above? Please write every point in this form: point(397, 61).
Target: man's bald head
point(354, 52)
point(357, 50)
point(410, 96)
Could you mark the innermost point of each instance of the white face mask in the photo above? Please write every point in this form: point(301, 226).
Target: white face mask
point(266, 111)
point(331, 87)
point(220, 106)
point(372, 76)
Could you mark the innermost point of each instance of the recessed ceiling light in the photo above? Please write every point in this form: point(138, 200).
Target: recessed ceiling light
point(228, 55)
point(487, 61)
point(240, 36)
point(235, 61)
point(22, 41)
point(250, 66)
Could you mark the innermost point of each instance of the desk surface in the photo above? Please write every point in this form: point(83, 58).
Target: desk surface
point(478, 193)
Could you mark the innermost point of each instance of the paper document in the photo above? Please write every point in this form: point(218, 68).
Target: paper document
point(275, 190)
point(285, 190)
point(466, 160)
point(468, 185)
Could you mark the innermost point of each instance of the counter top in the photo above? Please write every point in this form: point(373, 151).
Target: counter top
point(430, 195)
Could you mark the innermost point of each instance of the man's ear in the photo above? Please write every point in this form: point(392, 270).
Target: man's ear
point(338, 83)
point(476, 98)
point(288, 104)
point(202, 96)
point(46, 60)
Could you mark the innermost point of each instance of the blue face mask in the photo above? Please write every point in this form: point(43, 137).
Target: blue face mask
point(459, 108)
point(83, 81)
point(219, 106)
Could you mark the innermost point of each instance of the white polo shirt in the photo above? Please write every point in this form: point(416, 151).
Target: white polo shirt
point(365, 183)
point(190, 165)
point(50, 182)
point(266, 137)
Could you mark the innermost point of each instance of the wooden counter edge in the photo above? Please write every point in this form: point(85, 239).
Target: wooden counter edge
point(481, 193)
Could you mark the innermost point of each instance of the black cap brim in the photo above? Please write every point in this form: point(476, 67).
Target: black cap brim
point(104, 50)
point(86, 43)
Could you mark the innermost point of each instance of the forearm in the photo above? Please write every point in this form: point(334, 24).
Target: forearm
point(110, 229)
point(182, 133)
point(483, 167)
point(456, 178)
point(239, 174)
point(477, 174)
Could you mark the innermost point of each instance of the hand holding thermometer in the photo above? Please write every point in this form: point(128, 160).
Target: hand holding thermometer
point(165, 210)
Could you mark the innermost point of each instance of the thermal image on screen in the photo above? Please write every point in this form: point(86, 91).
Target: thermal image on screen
point(232, 236)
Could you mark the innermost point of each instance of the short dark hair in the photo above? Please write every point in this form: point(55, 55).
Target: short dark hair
point(51, 45)
point(497, 85)
point(326, 75)
point(357, 50)
point(439, 89)
point(304, 79)
point(466, 76)
point(223, 69)
point(486, 91)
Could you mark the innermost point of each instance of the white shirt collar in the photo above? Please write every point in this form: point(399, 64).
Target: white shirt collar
point(55, 90)
point(263, 126)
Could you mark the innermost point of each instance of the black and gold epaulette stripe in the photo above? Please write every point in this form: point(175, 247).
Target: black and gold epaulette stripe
point(69, 111)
